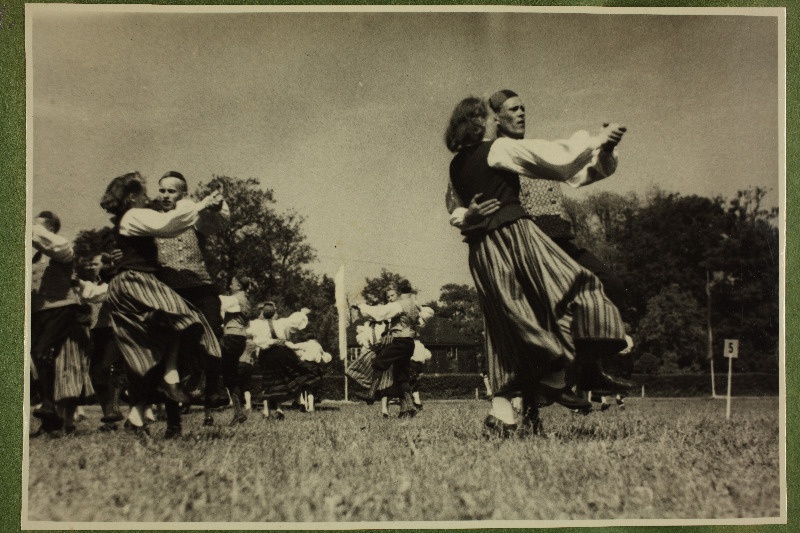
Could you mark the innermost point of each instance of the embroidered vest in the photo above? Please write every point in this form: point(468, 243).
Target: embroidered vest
point(182, 261)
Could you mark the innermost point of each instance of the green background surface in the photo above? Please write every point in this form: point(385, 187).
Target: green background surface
point(12, 247)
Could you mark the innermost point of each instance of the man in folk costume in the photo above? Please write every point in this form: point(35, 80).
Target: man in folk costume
point(184, 270)
point(59, 336)
point(403, 317)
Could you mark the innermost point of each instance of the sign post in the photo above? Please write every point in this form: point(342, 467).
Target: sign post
point(731, 352)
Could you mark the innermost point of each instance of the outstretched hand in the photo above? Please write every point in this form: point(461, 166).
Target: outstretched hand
point(611, 135)
point(477, 211)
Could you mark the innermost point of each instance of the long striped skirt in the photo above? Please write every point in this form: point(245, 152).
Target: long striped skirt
point(60, 341)
point(538, 303)
point(360, 370)
point(144, 312)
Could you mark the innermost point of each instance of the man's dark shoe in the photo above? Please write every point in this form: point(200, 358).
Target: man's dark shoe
point(238, 418)
point(173, 432)
point(408, 413)
point(208, 421)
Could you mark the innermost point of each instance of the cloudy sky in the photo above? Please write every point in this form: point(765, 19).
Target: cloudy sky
point(343, 114)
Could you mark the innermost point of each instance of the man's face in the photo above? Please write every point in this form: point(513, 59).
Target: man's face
point(511, 117)
point(92, 265)
point(170, 190)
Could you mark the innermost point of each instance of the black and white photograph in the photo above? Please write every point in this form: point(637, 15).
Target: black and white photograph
point(327, 267)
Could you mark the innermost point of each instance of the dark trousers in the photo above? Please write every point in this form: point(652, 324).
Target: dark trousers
point(397, 355)
point(612, 285)
point(206, 299)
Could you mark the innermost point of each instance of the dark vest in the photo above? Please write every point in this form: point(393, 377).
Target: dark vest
point(471, 174)
point(138, 253)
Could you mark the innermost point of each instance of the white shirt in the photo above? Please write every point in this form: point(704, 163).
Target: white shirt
point(51, 244)
point(144, 222)
point(310, 350)
point(577, 161)
point(262, 336)
point(421, 353)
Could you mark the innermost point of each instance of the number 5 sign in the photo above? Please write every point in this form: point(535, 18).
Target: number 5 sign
point(732, 348)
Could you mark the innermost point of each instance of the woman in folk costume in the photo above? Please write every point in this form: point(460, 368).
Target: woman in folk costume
point(151, 322)
point(314, 358)
point(371, 337)
point(59, 333)
point(235, 309)
point(526, 284)
point(105, 359)
point(403, 317)
point(283, 376)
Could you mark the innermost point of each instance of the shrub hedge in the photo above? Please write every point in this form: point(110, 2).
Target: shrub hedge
point(464, 386)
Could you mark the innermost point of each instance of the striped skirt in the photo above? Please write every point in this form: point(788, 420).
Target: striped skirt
point(284, 375)
point(144, 312)
point(538, 303)
point(61, 341)
point(360, 371)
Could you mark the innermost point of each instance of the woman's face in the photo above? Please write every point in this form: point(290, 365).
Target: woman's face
point(235, 285)
point(490, 123)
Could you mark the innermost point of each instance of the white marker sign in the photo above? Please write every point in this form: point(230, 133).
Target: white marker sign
point(732, 348)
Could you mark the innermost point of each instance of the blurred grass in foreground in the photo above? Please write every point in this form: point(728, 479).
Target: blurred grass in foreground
point(676, 458)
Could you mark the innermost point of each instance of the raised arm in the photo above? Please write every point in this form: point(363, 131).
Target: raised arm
point(211, 221)
point(381, 312)
point(579, 160)
point(142, 222)
point(51, 244)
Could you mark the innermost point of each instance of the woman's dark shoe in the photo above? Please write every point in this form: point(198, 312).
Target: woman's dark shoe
point(566, 398)
point(216, 400)
point(497, 427)
point(408, 413)
point(208, 421)
point(418, 406)
point(385, 415)
point(238, 418)
point(173, 392)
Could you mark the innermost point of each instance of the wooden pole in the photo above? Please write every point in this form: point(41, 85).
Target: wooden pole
point(728, 403)
point(710, 336)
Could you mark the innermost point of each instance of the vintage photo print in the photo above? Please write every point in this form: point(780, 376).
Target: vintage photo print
point(420, 267)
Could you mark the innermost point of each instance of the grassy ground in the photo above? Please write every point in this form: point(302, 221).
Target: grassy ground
point(658, 459)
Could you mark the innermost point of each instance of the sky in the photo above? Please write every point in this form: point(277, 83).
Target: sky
point(343, 114)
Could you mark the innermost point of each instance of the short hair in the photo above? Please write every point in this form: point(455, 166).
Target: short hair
point(467, 124)
point(245, 282)
point(404, 286)
point(115, 200)
point(51, 221)
point(497, 100)
point(267, 308)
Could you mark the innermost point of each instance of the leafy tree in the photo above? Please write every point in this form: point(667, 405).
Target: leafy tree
point(746, 301)
point(261, 243)
point(374, 291)
point(459, 303)
point(672, 331)
point(92, 242)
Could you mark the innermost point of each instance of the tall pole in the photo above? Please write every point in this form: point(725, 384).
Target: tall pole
point(728, 403)
point(342, 309)
point(710, 335)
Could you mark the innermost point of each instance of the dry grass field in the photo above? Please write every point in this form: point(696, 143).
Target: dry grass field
point(659, 458)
